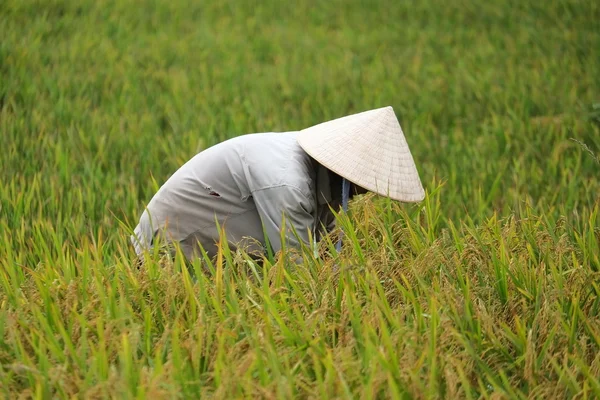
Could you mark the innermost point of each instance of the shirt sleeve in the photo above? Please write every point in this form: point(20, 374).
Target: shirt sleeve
point(276, 203)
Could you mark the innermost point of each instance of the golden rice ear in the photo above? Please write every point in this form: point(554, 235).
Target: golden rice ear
point(138, 262)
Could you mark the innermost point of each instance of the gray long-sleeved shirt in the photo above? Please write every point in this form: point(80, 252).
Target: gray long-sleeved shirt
point(242, 183)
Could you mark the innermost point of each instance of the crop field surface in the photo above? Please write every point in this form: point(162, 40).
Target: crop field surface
point(489, 288)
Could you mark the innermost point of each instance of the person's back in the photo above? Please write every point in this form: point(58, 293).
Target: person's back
point(219, 185)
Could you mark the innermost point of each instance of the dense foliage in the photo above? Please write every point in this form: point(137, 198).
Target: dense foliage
point(489, 288)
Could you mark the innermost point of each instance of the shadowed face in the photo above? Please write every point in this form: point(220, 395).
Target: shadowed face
point(336, 185)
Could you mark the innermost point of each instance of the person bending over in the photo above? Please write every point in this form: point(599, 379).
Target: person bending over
point(250, 184)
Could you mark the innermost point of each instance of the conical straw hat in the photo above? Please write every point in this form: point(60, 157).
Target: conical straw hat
point(368, 149)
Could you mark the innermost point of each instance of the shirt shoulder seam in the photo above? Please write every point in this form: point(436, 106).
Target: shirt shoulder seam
point(280, 186)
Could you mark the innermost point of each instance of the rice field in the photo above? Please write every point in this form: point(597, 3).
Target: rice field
point(489, 288)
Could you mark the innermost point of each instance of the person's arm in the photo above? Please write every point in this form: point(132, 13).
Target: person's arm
point(273, 204)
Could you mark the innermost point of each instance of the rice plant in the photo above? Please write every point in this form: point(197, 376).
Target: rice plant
point(489, 288)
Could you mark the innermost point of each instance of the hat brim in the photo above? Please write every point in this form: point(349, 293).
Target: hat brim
point(369, 150)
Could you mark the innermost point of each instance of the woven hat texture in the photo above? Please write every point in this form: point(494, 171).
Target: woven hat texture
point(368, 149)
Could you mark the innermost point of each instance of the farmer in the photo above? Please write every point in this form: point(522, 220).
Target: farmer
point(251, 184)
